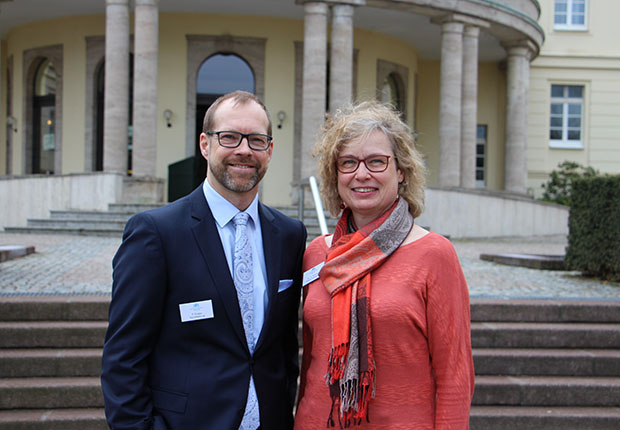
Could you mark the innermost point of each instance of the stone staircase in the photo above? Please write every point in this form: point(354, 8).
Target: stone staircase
point(50, 361)
point(546, 364)
point(92, 223)
point(539, 364)
point(112, 222)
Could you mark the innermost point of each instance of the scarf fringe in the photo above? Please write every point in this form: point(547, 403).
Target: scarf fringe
point(337, 363)
point(351, 404)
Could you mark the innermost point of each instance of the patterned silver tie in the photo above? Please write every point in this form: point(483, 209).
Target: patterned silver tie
point(243, 277)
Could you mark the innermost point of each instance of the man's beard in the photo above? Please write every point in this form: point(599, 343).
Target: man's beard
point(237, 184)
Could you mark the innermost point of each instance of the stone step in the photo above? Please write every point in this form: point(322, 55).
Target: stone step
point(77, 224)
point(22, 363)
point(544, 418)
point(550, 362)
point(133, 207)
point(91, 215)
point(63, 230)
point(54, 308)
point(53, 419)
point(49, 393)
point(544, 335)
point(52, 334)
point(545, 310)
point(547, 391)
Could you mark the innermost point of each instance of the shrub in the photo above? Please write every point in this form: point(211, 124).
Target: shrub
point(558, 187)
point(594, 227)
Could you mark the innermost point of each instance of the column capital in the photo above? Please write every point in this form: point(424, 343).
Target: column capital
point(471, 31)
point(147, 2)
point(117, 2)
point(464, 19)
point(520, 48)
point(316, 7)
point(342, 10)
point(347, 2)
point(334, 2)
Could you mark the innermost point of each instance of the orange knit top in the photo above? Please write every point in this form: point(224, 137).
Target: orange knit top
point(419, 308)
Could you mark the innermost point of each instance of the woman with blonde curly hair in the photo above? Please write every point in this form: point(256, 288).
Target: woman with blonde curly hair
point(386, 328)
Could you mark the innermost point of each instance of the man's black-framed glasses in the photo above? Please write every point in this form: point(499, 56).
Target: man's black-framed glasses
point(374, 163)
point(232, 139)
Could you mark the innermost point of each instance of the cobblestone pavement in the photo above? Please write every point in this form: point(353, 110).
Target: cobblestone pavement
point(65, 264)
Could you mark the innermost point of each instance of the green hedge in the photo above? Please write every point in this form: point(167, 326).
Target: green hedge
point(594, 227)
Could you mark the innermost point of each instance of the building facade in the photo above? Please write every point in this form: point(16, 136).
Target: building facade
point(119, 86)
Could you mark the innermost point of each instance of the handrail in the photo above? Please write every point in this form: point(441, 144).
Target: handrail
point(318, 205)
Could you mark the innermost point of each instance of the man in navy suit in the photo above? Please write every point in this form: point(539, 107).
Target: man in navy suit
point(176, 355)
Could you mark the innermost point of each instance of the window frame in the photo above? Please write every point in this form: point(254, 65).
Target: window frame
point(481, 140)
point(569, 26)
point(565, 143)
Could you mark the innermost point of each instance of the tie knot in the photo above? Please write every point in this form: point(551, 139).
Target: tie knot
point(241, 219)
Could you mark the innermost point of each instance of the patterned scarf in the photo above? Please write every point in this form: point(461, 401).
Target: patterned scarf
point(346, 275)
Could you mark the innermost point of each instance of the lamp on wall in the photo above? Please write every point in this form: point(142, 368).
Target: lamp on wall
point(281, 118)
point(168, 117)
point(11, 122)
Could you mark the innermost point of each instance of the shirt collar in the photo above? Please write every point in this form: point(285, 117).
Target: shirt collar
point(223, 211)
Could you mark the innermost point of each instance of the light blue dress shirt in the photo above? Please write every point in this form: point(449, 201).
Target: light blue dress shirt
point(223, 212)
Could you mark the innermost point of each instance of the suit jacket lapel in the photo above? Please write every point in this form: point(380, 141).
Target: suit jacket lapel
point(208, 241)
point(272, 248)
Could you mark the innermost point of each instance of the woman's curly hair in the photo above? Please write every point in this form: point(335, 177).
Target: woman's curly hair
point(361, 120)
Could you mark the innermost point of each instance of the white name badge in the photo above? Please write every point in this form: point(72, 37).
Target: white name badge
point(311, 275)
point(196, 311)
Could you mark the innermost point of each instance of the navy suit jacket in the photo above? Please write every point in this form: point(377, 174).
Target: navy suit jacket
point(161, 373)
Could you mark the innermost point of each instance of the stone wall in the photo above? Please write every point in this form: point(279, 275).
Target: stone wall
point(34, 196)
point(463, 213)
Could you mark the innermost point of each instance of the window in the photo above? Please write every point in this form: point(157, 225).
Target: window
point(566, 116)
point(569, 15)
point(44, 119)
point(390, 92)
point(481, 143)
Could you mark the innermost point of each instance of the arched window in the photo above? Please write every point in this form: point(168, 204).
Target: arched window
point(391, 92)
point(44, 119)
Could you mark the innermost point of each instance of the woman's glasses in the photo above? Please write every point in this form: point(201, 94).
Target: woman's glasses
point(374, 163)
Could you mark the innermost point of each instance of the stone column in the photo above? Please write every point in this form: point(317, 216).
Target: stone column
point(341, 57)
point(516, 118)
point(116, 96)
point(469, 107)
point(314, 81)
point(450, 104)
point(145, 88)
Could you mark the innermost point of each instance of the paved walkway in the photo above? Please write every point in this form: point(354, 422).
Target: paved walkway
point(65, 264)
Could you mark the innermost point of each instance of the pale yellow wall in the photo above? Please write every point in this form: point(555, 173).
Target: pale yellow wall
point(373, 47)
point(492, 113)
point(590, 58)
point(428, 117)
